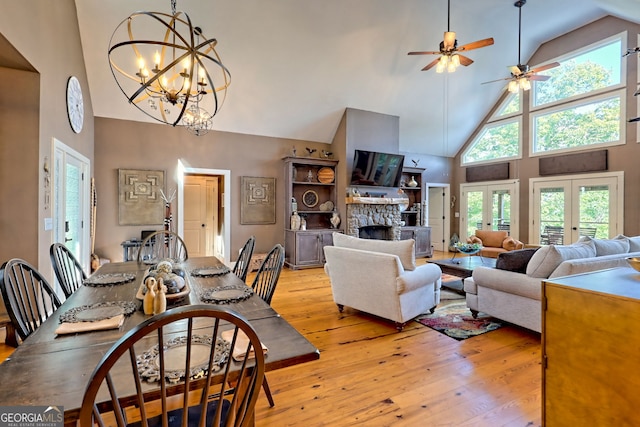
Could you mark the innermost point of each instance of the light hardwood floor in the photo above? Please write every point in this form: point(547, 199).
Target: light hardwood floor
point(371, 375)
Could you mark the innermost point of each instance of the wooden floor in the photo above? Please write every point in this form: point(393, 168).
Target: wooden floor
point(369, 374)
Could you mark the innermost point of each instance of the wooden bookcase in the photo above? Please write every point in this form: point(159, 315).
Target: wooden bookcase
point(311, 182)
point(414, 227)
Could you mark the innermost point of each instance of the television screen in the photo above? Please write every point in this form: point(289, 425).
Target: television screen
point(377, 169)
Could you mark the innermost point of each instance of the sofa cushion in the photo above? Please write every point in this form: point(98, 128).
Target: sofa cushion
point(548, 258)
point(604, 247)
point(634, 242)
point(515, 260)
point(404, 249)
point(493, 238)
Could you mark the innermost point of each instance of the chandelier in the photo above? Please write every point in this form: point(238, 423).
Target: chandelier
point(168, 69)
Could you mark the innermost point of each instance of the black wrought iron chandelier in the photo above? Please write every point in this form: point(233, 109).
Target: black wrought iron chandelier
point(168, 69)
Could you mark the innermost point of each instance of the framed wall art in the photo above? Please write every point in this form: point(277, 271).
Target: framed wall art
point(140, 197)
point(258, 200)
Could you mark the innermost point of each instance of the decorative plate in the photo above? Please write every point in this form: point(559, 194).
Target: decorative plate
point(98, 311)
point(210, 271)
point(326, 175)
point(109, 279)
point(226, 294)
point(174, 358)
point(310, 198)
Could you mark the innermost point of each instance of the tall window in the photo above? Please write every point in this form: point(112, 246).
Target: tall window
point(580, 105)
point(500, 138)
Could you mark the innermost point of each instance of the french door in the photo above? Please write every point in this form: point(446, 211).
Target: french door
point(71, 201)
point(489, 206)
point(585, 205)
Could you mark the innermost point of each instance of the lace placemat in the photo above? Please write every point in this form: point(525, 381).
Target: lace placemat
point(210, 271)
point(109, 279)
point(98, 311)
point(226, 294)
point(174, 358)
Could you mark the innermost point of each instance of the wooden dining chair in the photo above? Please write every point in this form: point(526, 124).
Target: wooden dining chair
point(264, 285)
point(244, 259)
point(163, 244)
point(135, 384)
point(27, 295)
point(67, 268)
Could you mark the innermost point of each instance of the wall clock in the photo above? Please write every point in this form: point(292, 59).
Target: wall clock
point(75, 105)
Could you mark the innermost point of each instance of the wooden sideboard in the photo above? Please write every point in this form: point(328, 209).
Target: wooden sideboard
point(590, 348)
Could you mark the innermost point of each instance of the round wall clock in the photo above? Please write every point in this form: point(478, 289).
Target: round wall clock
point(75, 105)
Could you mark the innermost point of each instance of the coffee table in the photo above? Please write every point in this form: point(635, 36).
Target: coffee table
point(463, 266)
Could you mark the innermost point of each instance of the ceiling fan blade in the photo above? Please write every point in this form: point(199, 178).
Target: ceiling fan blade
point(515, 70)
point(498, 80)
point(424, 52)
point(431, 64)
point(465, 61)
point(538, 77)
point(476, 45)
point(545, 67)
point(449, 40)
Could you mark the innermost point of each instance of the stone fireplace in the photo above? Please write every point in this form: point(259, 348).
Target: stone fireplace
point(373, 217)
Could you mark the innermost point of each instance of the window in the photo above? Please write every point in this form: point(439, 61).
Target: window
point(581, 104)
point(575, 125)
point(500, 138)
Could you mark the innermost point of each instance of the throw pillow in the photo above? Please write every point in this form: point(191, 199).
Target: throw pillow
point(404, 249)
point(608, 246)
point(474, 239)
point(516, 261)
point(548, 258)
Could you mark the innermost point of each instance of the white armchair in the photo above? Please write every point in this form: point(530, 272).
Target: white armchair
point(380, 277)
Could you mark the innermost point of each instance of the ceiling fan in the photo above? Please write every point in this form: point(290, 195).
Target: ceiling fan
point(521, 75)
point(450, 59)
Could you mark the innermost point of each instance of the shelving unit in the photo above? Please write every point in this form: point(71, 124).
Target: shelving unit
point(414, 227)
point(311, 182)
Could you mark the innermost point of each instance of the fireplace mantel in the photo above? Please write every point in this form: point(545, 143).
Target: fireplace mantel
point(353, 200)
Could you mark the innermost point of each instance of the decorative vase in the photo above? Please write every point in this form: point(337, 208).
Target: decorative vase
point(335, 220)
point(412, 183)
point(295, 221)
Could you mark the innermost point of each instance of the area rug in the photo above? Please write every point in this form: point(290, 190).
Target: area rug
point(451, 287)
point(454, 319)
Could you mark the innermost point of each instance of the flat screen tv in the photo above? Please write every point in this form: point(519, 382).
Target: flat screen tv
point(377, 169)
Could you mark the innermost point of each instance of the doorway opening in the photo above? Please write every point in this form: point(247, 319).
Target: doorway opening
point(204, 211)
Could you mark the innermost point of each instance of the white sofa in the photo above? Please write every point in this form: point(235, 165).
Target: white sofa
point(380, 277)
point(515, 296)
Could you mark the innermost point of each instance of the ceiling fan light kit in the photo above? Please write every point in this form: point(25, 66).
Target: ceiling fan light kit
point(168, 69)
point(450, 59)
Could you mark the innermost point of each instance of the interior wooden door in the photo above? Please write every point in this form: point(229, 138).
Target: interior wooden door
point(200, 224)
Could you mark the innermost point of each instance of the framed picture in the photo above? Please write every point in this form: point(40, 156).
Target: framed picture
point(258, 200)
point(139, 197)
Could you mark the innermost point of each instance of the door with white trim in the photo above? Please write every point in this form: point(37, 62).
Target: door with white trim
point(71, 201)
point(489, 206)
point(584, 205)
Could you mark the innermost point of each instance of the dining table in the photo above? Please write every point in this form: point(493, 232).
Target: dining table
point(52, 369)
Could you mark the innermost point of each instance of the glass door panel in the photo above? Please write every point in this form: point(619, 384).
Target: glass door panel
point(490, 206)
point(565, 210)
point(475, 211)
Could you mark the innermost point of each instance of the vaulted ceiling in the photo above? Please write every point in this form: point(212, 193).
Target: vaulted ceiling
point(297, 64)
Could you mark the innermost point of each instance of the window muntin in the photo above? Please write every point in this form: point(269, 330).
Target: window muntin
point(499, 140)
point(587, 71)
point(596, 120)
